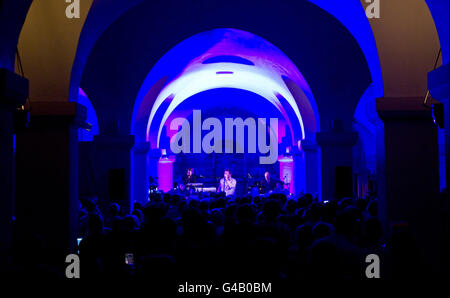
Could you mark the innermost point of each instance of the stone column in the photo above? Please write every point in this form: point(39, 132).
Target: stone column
point(299, 171)
point(311, 159)
point(113, 165)
point(13, 94)
point(438, 86)
point(139, 178)
point(336, 150)
point(47, 178)
point(152, 163)
point(409, 171)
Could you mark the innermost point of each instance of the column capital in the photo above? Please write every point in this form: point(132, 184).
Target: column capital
point(438, 83)
point(392, 108)
point(13, 89)
point(46, 113)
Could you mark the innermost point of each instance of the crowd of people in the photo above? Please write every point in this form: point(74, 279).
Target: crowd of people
point(261, 237)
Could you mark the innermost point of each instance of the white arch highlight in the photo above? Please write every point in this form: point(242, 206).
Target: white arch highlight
point(202, 77)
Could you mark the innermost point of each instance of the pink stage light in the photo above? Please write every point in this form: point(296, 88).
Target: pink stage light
point(165, 173)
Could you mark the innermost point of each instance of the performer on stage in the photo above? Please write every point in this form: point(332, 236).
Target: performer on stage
point(267, 184)
point(189, 177)
point(227, 184)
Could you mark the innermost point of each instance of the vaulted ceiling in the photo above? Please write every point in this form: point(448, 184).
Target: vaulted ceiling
point(114, 31)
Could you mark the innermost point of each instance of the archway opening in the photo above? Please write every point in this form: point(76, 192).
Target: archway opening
point(224, 73)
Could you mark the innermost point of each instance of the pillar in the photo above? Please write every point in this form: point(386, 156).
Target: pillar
point(139, 178)
point(408, 172)
point(47, 178)
point(336, 161)
point(287, 174)
point(113, 166)
point(299, 171)
point(165, 173)
point(152, 164)
point(292, 169)
point(13, 94)
point(438, 86)
point(311, 159)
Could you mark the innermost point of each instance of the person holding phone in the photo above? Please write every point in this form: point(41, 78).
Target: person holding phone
point(227, 183)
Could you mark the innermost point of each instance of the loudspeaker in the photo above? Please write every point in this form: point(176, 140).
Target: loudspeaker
point(344, 182)
point(117, 184)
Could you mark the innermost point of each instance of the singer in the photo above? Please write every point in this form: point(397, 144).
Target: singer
point(227, 183)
